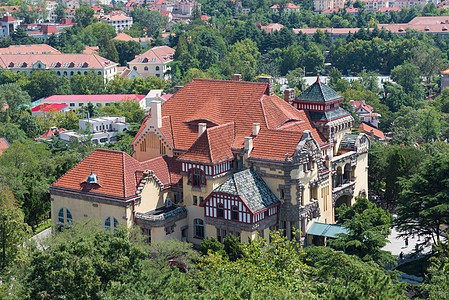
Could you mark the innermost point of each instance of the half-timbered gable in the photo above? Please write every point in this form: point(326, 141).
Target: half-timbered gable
point(244, 198)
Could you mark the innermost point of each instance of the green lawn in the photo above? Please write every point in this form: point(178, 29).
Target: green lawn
point(42, 226)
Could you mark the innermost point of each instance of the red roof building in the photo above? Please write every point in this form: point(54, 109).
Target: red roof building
point(372, 132)
point(75, 101)
point(3, 145)
point(49, 107)
point(29, 49)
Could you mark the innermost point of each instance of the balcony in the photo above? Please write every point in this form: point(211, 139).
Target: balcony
point(160, 216)
point(345, 189)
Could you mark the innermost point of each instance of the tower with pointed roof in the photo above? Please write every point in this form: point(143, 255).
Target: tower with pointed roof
point(323, 105)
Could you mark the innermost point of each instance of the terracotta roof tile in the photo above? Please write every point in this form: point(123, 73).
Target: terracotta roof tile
point(29, 49)
point(3, 145)
point(221, 103)
point(213, 146)
point(365, 128)
point(161, 54)
point(118, 173)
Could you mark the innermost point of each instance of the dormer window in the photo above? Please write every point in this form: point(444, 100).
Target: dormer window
point(197, 177)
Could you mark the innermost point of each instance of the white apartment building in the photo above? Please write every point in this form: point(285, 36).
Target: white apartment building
point(102, 130)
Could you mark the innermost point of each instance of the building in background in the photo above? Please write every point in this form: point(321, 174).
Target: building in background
point(76, 101)
point(3, 145)
point(65, 65)
point(29, 49)
point(153, 62)
point(49, 108)
point(8, 25)
point(101, 130)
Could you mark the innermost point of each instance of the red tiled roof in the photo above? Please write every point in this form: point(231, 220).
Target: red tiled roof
point(51, 133)
point(219, 103)
point(92, 60)
point(92, 98)
point(118, 174)
point(166, 96)
point(205, 18)
point(213, 146)
point(29, 49)
point(288, 5)
point(3, 145)
point(49, 107)
point(365, 128)
point(91, 49)
point(360, 104)
point(161, 54)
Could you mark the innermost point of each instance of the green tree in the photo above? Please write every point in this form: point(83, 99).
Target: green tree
point(84, 16)
point(46, 83)
point(396, 168)
point(12, 94)
point(127, 50)
point(349, 277)
point(14, 231)
point(60, 11)
point(423, 205)
point(242, 59)
point(408, 76)
point(368, 229)
point(296, 79)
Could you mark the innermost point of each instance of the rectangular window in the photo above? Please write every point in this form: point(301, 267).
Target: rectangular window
point(219, 237)
point(195, 200)
point(201, 199)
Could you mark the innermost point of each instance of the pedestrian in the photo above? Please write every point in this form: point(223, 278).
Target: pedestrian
point(406, 242)
point(401, 255)
point(419, 238)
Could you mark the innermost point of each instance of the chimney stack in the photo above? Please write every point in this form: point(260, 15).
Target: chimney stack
point(177, 88)
point(236, 77)
point(256, 129)
point(289, 95)
point(156, 114)
point(269, 80)
point(248, 144)
point(201, 128)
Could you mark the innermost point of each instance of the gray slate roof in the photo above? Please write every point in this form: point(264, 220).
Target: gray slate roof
point(348, 141)
point(319, 92)
point(251, 188)
point(329, 115)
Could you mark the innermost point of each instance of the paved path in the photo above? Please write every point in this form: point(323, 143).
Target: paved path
point(41, 235)
point(397, 245)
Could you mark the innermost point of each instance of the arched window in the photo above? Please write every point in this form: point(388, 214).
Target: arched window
point(107, 223)
point(199, 228)
point(220, 211)
point(146, 68)
point(157, 68)
point(71, 73)
point(85, 72)
point(135, 68)
point(235, 213)
point(197, 177)
point(64, 216)
point(59, 73)
point(99, 73)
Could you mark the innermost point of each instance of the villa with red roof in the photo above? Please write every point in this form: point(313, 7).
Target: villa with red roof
point(223, 158)
point(365, 112)
point(65, 65)
point(288, 7)
point(29, 49)
point(153, 62)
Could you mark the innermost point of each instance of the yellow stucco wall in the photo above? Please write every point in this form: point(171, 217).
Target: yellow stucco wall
point(82, 210)
point(158, 233)
point(152, 196)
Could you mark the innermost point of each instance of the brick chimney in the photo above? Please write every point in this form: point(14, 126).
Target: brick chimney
point(236, 77)
point(269, 80)
point(289, 95)
point(177, 88)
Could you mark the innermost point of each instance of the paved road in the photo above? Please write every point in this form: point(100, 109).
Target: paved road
point(397, 245)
